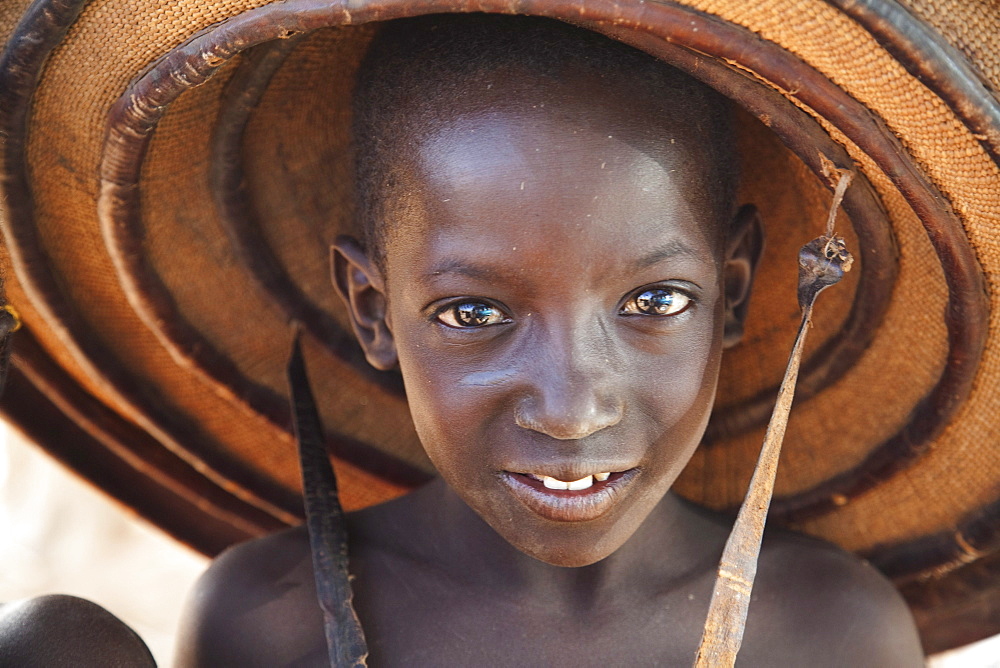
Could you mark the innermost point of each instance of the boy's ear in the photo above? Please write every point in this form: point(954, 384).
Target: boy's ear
point(743, 252)
point(360, 284)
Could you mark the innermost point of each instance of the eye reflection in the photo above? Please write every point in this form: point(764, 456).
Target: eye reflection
point(657, 301)
point(471, 314)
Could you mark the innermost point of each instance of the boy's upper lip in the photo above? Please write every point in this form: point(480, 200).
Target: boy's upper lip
point(571, 470)
point(570, 460)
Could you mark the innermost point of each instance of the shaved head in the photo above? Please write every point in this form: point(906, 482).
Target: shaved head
point(432, 73)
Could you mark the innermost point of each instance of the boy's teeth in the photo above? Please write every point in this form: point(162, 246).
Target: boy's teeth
point(582, 483)
point(601, 477)
point(552, 483)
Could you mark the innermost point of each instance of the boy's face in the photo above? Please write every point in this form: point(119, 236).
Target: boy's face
point(554, 294)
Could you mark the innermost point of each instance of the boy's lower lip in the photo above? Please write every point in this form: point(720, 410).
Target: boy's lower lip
point(568, 505)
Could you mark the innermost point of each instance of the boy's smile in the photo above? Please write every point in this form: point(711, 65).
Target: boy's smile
point(553, 292)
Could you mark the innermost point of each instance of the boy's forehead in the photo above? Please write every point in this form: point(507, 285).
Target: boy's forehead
point(596, 159)
point(505, 147)
point(579, 104)
point(499, 180)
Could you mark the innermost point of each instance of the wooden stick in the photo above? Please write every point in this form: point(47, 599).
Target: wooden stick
point(822, 263)
point(345, 639)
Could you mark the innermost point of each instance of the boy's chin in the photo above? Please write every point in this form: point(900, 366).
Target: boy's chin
point(570, 560)
point(570, 546)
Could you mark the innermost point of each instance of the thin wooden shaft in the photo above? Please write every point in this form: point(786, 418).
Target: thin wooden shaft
point(325, 520)
point(822, 263)
point(727, 614)
point(10, 322)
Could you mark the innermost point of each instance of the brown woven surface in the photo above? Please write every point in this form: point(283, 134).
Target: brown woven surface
point(10, 13)
point(972, 26)
point(212, 393)
point(965, 456)
point(811, 454)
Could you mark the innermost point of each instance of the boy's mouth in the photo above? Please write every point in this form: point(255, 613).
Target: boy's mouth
point(574, 485)
point(578, 500)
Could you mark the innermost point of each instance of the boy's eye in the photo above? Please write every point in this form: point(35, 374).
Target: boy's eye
point(657, 301)
point(471, 314)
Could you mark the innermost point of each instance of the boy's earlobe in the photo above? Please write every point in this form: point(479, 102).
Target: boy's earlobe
point(360, 284)
point(743, 252)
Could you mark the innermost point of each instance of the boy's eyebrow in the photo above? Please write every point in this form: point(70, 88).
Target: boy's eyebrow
point(454, 266)
point(667, 251)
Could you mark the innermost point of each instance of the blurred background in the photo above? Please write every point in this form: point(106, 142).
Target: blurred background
point(59, 535)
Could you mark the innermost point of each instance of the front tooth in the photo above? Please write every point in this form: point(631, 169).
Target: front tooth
point(582, 483)
point(552, 483)
point(601, 477)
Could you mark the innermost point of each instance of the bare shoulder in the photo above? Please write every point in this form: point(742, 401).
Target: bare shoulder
point(255, 606)
point(823, 606)
point(59, 630)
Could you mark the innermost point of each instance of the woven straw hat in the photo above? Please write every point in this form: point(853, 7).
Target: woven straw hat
point(175, 170)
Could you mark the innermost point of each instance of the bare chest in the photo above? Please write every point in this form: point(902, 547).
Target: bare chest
point(426, 626)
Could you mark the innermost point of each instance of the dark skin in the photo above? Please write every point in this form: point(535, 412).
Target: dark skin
point(558, 296)
point(60, 630)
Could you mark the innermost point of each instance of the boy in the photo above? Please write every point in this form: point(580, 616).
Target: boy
point(553, 259)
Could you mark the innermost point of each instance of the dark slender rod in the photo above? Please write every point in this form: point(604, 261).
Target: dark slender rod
point(345, 639)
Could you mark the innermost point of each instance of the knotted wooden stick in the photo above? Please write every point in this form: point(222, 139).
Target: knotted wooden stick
point(822, 263)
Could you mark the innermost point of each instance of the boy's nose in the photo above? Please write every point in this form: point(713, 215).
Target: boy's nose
point(569, 424)
point(571, 392)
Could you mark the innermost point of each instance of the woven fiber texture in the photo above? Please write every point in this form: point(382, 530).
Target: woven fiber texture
point(958, 165)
